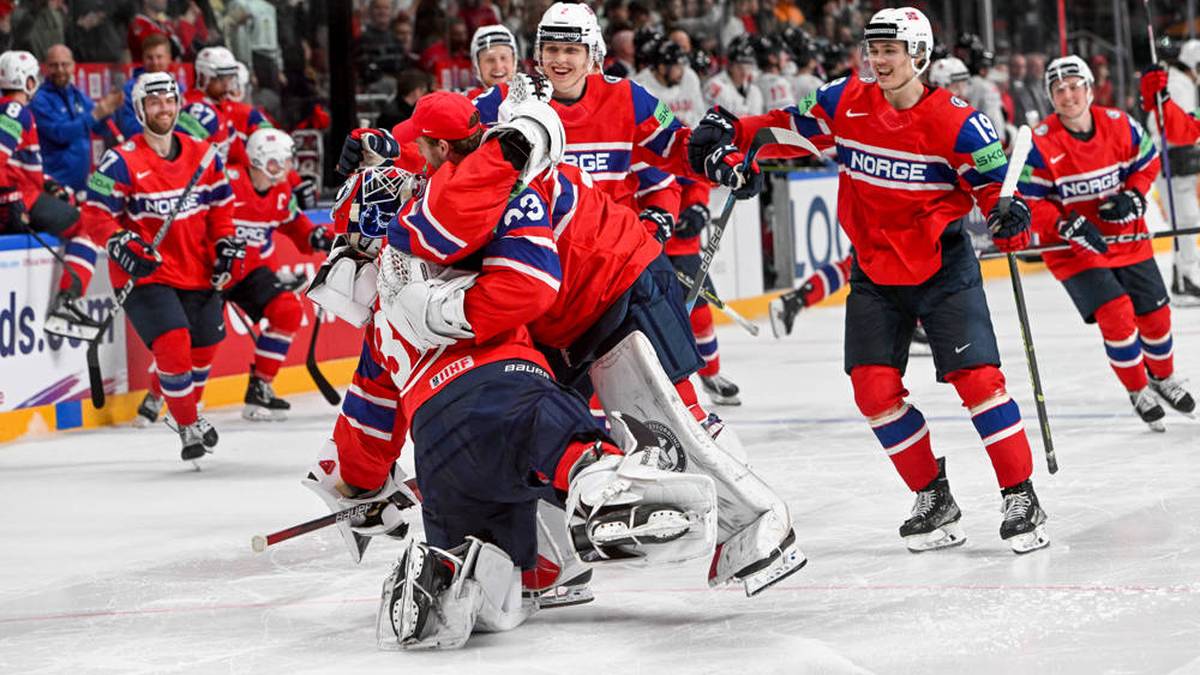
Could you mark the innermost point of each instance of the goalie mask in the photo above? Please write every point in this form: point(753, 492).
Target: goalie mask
point(902, 24)
point(369, 199)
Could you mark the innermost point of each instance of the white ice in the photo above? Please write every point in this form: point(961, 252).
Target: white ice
point(118, 558)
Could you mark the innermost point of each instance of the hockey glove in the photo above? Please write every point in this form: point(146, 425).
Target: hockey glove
point(321, 239)
point(692, 221)
point(1153, 85)
point(58, 191)
point(717, 128)
point(133, 254)
point(230, 252)
point(11, 209)
point(1083, 234)
point(366, 147)
point(1010, 227)
point(1124, 207)
point(724, 167)
point(306, 194)
point(658, 222)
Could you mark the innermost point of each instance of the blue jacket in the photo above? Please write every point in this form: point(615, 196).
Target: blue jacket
point(64, 120)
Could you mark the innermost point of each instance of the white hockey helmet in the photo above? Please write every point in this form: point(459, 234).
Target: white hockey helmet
point(486, 37)
point(1069, 66)
point(152, 84)
point(569, 22)
point(213, 62)
point(270, 151)
point(947, 71)
point(905, 24)
point(16, 67)
point(243, 83)
point(1189, 53)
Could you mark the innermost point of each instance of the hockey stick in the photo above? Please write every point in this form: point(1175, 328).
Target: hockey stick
point(310, 363)
point(712, 299)
point(95, 378)
point(764, 136)
point(1016, 164)
point(1110, 239)
point(1162, 129)
point(260, 542)
point(76, 282)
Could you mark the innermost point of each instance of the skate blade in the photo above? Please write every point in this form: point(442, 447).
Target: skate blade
point(564, 596)
point(718, 399)
point(792, 560)
point(257, 413)
point(775, 313)
point(946, 536)
point(661, 526)
point(1030, 541)
point(1157, 426)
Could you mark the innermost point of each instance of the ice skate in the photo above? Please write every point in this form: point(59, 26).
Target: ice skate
point(148, 410)
point(410, 593)
point(1147, 407)
point(262, 405)
point(934, 522)
point(575, 591)
point(720, 390)
point(192, 437)
point(1185, 287)
point(68, 318)
point(1170, 390)
point(1023, 525)
point(783, 311)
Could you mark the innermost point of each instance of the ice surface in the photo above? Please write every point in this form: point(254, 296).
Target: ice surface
point(116, 557)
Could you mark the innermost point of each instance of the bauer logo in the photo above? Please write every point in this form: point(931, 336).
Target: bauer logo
point(1092, 186)
point(456, 367)
point(526, 368)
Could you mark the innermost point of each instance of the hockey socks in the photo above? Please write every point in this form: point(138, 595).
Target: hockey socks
point(80, 255)
point(706, 339)
point(826, 280)
point(283, 316)
point(172, 356)
point(1122, 342)
point(899, 426)
point(997, 419)
point(1158, 349)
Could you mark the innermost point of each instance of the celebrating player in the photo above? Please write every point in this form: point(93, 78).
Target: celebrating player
point(204, 115)
point(175, 306)
point(494, 56)
point(1092, 167)
point(914, 160)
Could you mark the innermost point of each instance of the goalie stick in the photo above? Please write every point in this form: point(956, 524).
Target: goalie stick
point(1016, 164)
point(310, 363)
point(712, 299)
point(260, 542)
point(95, 377)
point(763, 137)
point(1126, 238)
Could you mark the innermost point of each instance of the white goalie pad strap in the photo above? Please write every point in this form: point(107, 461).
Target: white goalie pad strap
point(322, 478)
point(346, 286)
point(636, 480)
point(630, 379)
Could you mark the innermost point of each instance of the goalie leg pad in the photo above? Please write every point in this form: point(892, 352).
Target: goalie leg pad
point(629, 379)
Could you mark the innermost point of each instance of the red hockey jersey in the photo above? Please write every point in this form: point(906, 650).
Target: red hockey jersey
point(904, 174)
point(135, 189)
point(205, 119)
point(1064, 174)
point(20, 154)
point(257, 217)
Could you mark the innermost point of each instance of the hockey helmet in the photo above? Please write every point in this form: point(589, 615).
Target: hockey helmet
point(947, 71)
point(1069, 66)
point(214, 62)
point(701, 62)
point(797, 43)
point(741, 50)
point(1189, 53)
point(152, 84)
point(270, 151)
point(669, 53)
point(905, 24)
point(645, 46)
point(486, 37)
point(16, 67)
point(569, 22)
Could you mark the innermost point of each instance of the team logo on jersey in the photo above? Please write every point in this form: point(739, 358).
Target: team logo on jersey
point(128, 147)
point(807, 103)
point(1042, 130)
point(455, 367)
point(989, 157)
point(1083, 188)
point(599, 161)
point(611, 80)
point(1113, 114)
point(163, 206)
point(887, 167)
point(957, 102)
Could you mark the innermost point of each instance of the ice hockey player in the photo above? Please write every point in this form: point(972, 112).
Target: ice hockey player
point(494, 56)
point(1177, 82)
point(670, 78)
point(800, 70)
point(771, 56)
point(825, 280)
point(203, 115)
point(952, 75)
point(1091, 168)
point(901, 200)
point(175, 306)
point(732, 88)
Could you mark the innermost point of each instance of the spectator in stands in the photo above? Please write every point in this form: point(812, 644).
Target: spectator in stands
point(449, 60)
point(41, 23)
point(410, 86)
point(152, 20)
point(66, 118)
point(476, 13)
point(156, 58)
point(1036, 68)
point(97, 31)
point(1025, 110)
point(6, 10)
point(1103, 89)
point(254, 40)
point(620, 48)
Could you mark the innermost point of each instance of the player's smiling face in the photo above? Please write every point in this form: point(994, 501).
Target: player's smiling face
point(161, 112)
point(566, 64)
point(496, 65)
point(1069, 96)
point(891, 63)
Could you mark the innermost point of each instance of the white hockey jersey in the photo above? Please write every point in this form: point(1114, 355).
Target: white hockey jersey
point(776, 90)
point(804, 84)
point(720, 91)
point(685, 99)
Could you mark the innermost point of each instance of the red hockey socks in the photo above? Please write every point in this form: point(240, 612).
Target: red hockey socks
point(1157, 346)
point(997, 419)
point(80, 254)
point(173, 358)
point(1121, 341)
point(825, 281)
point(202, 358)
point(283, 316)
point(570, 457)
point(900, 427)
point(706, 339)
point(370, 429)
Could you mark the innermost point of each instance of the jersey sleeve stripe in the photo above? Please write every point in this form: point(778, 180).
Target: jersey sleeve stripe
point(525, 269)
